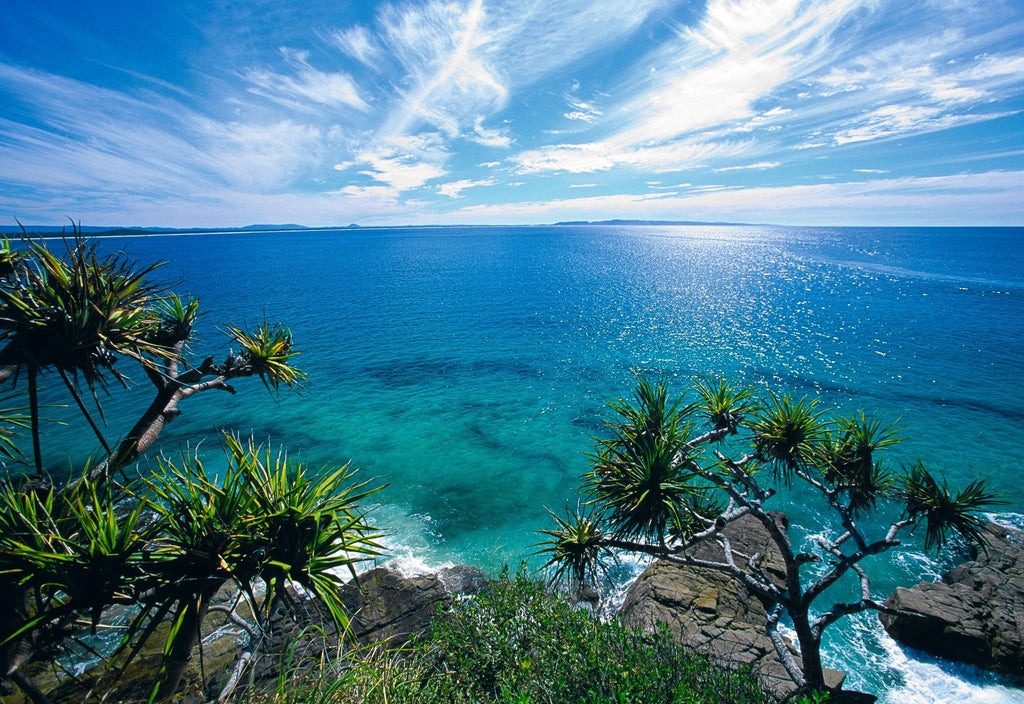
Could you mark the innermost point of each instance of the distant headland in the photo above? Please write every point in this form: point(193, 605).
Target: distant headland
point(108, 231)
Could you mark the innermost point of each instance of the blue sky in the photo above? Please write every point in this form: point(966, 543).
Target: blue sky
point(826, 112)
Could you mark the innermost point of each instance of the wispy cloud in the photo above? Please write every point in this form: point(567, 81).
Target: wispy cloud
point(462, 61)
point(406, 162)
point(388, 111)
point(442, 48)
point(307, 88)
point(488, 137)
point(455, 188)
point(358, 43)
point(927, 201)
point(759, 166)
point(712, 76)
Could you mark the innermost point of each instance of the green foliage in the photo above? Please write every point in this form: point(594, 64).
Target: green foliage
point(575, 548)
point(174, 320)
point(306, 525)
point(848, 461)
point(270, 518)
point(268, 351)
point(944, 512)
point(76, 552)
point(12, 419)
point(79, 313)
point(788, 433)
point(724, 405)
point(657, 487)
point(518, 643)
point(641, 475)
point(165, 545)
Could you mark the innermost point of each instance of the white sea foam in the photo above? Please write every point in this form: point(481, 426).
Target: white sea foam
point(409, 564)
point(876, 663)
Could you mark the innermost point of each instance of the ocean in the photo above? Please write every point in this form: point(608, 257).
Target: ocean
point(469, 368)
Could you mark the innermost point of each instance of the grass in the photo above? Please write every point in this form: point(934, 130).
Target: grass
point(517, 643)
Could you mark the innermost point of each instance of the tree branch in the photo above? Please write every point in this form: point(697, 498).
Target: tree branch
point(782, 647)
point(218, 383)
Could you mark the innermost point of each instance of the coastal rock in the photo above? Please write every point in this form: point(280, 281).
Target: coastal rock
point(714, 613)
point(389, 607)
point(975, 614)
point(384, 606)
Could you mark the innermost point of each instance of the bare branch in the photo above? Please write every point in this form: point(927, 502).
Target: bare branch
point(782, 647)
point(218, 383)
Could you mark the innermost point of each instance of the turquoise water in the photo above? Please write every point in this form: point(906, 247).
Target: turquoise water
point(468, 368)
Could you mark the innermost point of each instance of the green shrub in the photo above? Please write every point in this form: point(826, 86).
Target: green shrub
point(517, 643)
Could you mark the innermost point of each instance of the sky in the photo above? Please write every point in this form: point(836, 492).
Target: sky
point(226, 113)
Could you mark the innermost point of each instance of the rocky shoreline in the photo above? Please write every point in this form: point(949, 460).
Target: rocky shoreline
point(975, 614)
point(713, 612)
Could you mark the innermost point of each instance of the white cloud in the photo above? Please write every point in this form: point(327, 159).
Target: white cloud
point(307, 85)
point(573, 158)
point(582, 111)
point(441, 48)
point(261, 157)
point(357, 43)
point(760, 166)
point(405, 162)
point(384, 193)
point(608, 154)
point(463, 60)
point(898, 120)
point(943, 200)
point(490, 137)
point(142, 146)
point(455, 188)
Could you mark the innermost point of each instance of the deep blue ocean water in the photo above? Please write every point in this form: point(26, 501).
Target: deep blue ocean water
point(469, 368)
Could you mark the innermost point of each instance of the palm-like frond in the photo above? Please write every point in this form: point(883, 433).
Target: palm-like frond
point(643, 483)
point(174, 319)
point(78, 314)
point(267, 352)
point(650, 414)
point(269, 518)
point(848, 461)
point(12, 418)
point(203, 539)
point(698, 507)
point(10, 259)
point(787, 433)
point(942, 511)
point(78, 550)
point(307, 525)
point(642, 473)
point(725, 405)
point(576, 547)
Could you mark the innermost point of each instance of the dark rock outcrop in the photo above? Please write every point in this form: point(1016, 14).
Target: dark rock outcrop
point(384, 606)
point(713, 612)
point(388, 607)
point(975, 614)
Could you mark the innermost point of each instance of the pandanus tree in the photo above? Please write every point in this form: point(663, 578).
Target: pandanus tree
point(673, 475)
point(162, 544)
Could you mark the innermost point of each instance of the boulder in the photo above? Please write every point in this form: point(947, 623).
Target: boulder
point(975, 614)
point(713, 612)
point(388, 607)
point(384, 607)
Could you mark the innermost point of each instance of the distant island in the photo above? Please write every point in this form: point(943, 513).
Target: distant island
point(647, 222)
point(100, 231)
